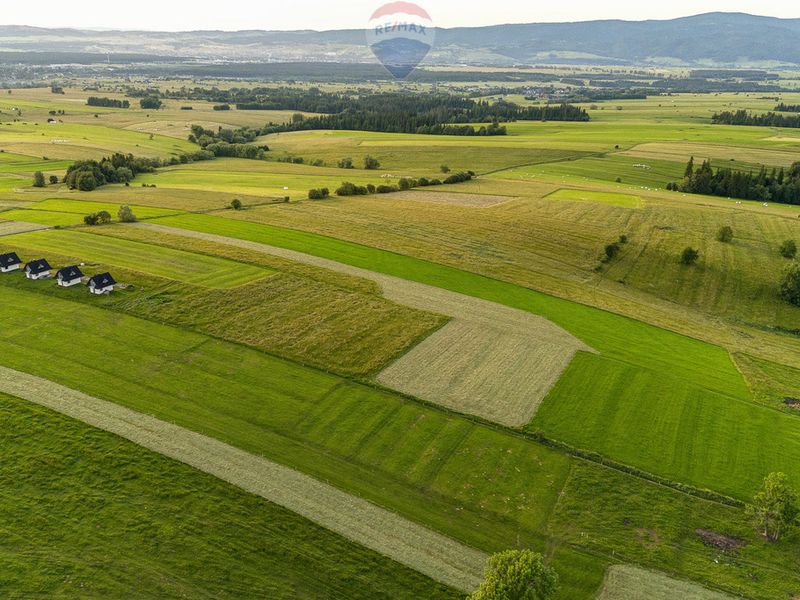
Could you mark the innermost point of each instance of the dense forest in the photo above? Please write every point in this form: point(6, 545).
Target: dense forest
point(778, 185)
point(742, 117)
point(229, 142)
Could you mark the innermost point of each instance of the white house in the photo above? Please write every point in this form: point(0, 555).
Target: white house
point(68, 276)
point(38, 269)
point(9, 262)
point(102, 283)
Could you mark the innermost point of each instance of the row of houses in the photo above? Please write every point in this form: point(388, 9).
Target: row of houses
point(102, 283)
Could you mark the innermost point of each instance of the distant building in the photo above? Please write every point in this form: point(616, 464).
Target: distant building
point(102, 283)
point(9, 262)
point(69, 276)
point(38, 269)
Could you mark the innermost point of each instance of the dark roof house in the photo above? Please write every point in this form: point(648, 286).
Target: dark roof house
point(9, 260)
point(101, 283)
point(69, 273)
point(38, 266)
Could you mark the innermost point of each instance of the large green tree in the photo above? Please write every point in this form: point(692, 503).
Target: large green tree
point(774, 509)
point(790, 284)
point(517, 575)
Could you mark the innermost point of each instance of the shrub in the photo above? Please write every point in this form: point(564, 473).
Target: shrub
point(236, 204)
point(623, 239)
point(444, 169)
point(345, 163)
point(318, 194)
point(53, 179)
point(90, 219)
point(789, 249)
point(406, 184)
point(351, 189)
point(103, 217)
point(790, 284)
point(612, 250)
point(387, 189)
point(371, 163)
point(725, 234)
point(125, 214)
point(689, 256)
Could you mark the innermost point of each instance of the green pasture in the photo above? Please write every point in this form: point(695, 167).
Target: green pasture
point(196, 269)
point(610, 198)
point(60, 212)
point(629, 350)
point(88, 514)
point(483, 486)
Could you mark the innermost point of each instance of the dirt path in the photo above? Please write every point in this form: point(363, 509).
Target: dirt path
point(473, 380)
point(383, 531)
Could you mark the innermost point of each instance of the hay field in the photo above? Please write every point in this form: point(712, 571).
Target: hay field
point(452, 198)
point(422, 549)
point(13, 227)
point(627, 582)
point(485, 336)
point(481, 371)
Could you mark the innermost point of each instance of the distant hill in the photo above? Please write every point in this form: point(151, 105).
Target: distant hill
point(708, 40)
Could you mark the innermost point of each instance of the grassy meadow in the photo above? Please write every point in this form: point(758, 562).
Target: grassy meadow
point(689, 383)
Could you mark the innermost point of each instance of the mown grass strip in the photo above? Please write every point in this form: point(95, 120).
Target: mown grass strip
point(422, 549)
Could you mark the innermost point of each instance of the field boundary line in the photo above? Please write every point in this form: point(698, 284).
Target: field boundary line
point(433, 554)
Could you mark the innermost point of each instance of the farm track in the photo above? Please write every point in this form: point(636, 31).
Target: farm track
point(540, 349)
point(435, 555)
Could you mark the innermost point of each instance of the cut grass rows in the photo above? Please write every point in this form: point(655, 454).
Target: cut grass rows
point(427, 552)
point(87, 514)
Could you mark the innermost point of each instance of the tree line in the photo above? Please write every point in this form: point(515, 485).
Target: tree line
point(88, 175)
point(234, 143)
point(107, 102)
point(743, 117)
point(782, 107)
point(775, 185)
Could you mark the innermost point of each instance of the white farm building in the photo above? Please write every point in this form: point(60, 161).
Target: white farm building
point(103, 283)
point(38, 269)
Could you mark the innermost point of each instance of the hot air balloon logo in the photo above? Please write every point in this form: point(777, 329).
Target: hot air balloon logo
point(400, 34)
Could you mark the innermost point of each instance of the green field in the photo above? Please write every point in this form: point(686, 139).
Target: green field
point(67, 535)
point(690, 392)
point(190, 268)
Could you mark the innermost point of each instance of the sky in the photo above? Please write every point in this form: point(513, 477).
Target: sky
point(181, 15)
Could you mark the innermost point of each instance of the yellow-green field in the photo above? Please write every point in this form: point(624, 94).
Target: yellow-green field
point(281, 329)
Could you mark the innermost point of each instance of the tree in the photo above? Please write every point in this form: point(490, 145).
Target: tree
point(689, 168)
point(85, 181)
point(53, 179)
point(725, 234)
point(611, 251)
point(346, 163)
point(689, 256)
point(371, 163)
point(103, 217)
point(90, 219)
point(517, 575)
point(125, 214)
point(444, 169)
point(774, 509)
point(151, 102)
point(789, 249)
point(38, 179)
point(790, 284)
point(236, 204)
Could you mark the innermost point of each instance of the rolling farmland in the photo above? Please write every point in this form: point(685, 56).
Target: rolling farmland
point(464, 364)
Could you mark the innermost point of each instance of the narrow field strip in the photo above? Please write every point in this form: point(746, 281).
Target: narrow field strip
point(533, 343)
point(626, 582)
point(432, 554)
point(189, 267)
point(14, 227)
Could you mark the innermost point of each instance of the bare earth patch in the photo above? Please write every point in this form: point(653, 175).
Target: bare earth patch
point(492, 361)
point(457, 199)
point(626, 582)
point(433, 554)
point(12, 227)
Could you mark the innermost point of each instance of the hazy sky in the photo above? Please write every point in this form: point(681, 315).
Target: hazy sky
point(176, 15)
